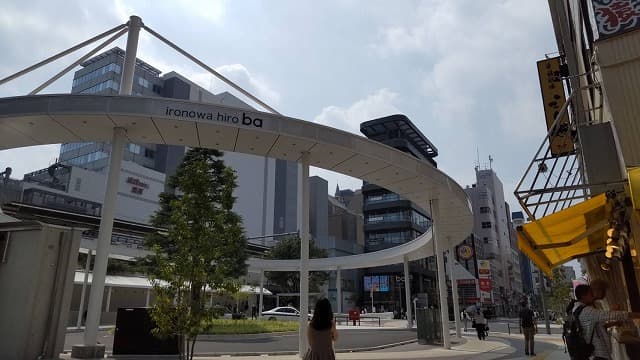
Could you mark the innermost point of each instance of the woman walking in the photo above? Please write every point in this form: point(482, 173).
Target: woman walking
point(480, 323)
point(321, 333)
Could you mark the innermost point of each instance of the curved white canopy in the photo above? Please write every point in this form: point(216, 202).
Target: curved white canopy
point(47, 119)
point(419, 248)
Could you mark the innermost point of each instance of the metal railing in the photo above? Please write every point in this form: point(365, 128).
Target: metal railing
point(553, 182)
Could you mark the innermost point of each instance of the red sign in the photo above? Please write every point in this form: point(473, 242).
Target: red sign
point(138, 186)
point(484, 284)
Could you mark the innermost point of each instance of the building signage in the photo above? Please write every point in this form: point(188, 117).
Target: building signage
point(614, 17)
point(465, 252)
point(553, 98)
point(484, 279)
point(138, 186)
point(484, 268)
point(231, 118)
point(484, 284)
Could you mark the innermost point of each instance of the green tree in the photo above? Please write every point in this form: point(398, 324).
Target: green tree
point(289, 282)
point(203, 246)
point(560, 294)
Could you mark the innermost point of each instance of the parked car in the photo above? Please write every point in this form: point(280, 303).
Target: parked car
point(283, 313)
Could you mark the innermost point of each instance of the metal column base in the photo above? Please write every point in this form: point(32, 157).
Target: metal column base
point(87, 351)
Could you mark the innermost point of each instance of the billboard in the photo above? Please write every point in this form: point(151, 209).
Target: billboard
point(379, 283)
point(484, 280)
point(553, 98)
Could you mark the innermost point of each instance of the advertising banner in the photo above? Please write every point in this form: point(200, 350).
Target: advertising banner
point(484, 280)
point(614, 17)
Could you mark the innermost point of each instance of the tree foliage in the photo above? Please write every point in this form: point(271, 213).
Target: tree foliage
point(289, 282)
point(560, 294)
point(203, 246)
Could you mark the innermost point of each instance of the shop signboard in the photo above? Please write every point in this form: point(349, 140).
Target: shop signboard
point(484, 268)
point(484, 280)
point(484, 284)
point(465, 252)
point(615, 17)
point(553, 99)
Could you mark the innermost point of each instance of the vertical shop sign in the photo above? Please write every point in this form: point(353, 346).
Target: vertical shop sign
point(553, 98)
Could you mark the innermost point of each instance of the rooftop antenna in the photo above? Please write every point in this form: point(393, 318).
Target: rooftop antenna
point(477, 167)
point(490, 162)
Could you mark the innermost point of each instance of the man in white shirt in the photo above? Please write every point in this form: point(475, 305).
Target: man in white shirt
point(590, 318)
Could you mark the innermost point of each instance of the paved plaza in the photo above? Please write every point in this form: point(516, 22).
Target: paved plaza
point(391, 342)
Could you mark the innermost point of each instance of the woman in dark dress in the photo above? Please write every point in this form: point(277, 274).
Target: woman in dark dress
point(321, 333)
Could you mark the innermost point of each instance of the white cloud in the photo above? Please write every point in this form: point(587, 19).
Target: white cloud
point(479, 72)
point(253, 83)
point(211, 10)
point(380, 104)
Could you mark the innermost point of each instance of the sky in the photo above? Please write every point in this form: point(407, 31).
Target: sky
point(463, 71)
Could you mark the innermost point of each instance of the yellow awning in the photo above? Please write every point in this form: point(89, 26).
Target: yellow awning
point(565, 235)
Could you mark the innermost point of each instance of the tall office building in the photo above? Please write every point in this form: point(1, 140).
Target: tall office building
point(267, 188)
point(517, 218)
point(491, 225)
point(390, 220)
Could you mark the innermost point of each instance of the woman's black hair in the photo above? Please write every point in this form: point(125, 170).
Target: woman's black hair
point(322, 315)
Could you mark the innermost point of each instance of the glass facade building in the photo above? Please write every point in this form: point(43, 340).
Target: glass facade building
point(390, 220)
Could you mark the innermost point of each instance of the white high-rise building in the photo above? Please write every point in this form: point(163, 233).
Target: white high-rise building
point(491, 225)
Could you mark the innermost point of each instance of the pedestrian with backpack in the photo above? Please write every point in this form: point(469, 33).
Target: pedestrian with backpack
point(583, 341)
point(529, 328)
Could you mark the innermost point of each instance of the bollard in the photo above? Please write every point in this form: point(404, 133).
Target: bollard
point(509, 328)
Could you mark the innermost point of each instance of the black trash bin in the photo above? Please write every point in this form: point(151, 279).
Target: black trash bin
point(428, 324)
point(133, 335)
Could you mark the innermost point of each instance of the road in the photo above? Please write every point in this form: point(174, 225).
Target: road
point(270, 343)
point(350, 339)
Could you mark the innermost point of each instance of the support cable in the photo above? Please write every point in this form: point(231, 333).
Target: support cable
point(209, 69)
point(61, 54)
point(79, 61)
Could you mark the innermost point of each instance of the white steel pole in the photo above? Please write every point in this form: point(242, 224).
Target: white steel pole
point(104, 239)
point(454, 292)
point(87, 267)
point(261, 302)
point(442, 285)
point(111, 193)
point(338, 291)
point(407, 292)
point(148, 299)
point(303, 211)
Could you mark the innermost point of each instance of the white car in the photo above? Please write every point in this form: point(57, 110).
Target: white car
point(284, 313)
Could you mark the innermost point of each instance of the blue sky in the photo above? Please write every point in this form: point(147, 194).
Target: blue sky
point(463, 71)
